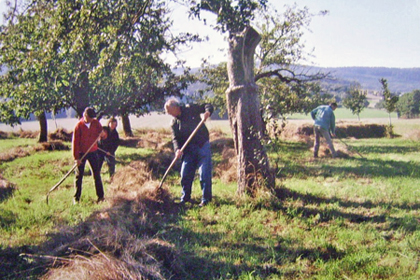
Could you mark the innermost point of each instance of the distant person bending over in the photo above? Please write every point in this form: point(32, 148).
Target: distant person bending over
point(109, 145)
point(324, 125)
point(197, 154)
point(86, 134)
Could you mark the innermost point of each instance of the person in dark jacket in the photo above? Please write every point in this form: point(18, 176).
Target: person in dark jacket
point(197, 153)
point(109, 145)
point(85, 135)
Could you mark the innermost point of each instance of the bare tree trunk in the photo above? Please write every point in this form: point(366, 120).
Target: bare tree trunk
point(244, 113)
point(81, 93)
point(126, 126)
point(43, 127)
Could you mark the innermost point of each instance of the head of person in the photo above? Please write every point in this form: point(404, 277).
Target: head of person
point(89, 114)
point(112, 123)
point(333, 105)
point(105, 129)
point(172, 107)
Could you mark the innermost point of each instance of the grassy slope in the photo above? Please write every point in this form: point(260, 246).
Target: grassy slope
point(332, 219)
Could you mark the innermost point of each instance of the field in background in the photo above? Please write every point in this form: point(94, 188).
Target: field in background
point(156, 120)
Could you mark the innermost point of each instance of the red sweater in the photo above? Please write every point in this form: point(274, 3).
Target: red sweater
point(84, 137)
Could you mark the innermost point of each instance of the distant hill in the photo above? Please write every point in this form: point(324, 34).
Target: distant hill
point(400, 80)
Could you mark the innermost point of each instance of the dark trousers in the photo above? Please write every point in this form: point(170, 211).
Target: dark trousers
point(110, 160)
point(94, 163)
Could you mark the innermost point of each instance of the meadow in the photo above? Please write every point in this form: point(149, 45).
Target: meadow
point(355, 217)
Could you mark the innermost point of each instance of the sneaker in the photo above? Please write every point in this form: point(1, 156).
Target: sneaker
point(203, 203)
point(75, 201)
point(100, 199)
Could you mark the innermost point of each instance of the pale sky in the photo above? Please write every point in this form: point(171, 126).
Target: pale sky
point(374, 33)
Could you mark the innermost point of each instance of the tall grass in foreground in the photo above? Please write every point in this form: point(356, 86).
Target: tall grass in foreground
point(353, 218)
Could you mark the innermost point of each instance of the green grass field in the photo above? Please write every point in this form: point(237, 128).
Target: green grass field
point(347, 218)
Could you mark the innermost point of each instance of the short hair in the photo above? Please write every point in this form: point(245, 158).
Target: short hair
point(333, 104)
point(106, 129)
point(112, 120)
point(90, 112)
point(171, 102)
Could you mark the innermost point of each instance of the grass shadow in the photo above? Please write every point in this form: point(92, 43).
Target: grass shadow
point(306, 210)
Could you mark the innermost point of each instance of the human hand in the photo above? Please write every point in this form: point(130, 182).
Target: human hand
point(178, 154)
point(206, 115)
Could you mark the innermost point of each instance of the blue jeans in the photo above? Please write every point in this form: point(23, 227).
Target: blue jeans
point(195, 157)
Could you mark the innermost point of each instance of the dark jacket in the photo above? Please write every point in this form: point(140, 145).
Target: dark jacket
point(111, 143)
point(183, 125)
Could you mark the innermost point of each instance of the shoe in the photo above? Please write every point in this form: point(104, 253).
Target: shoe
point(203, 203)
point(75, 201)
point(100, 199)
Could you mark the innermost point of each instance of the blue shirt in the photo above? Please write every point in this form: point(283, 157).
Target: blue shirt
point(324, 117)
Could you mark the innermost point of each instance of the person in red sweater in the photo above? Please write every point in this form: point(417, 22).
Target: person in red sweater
point(85, 136)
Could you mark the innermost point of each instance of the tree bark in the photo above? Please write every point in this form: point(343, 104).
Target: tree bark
point(81, 93)
point(126, 126)
point(43, 127)
point(244, 113)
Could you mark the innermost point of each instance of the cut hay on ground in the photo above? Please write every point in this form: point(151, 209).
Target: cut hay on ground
point(227, 170)
point(345, 131)
point(6, 188)
point(118, 242)
point(19, 152)
point(52, 146)
point(61, 134)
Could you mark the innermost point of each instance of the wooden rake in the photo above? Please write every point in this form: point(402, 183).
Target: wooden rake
point(182, 149)
point(72, 169)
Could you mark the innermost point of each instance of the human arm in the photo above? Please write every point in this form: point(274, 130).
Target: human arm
point(313, 113)
point(332, 125)
point(75, 143)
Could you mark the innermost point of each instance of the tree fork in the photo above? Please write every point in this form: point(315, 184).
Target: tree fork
point(244, 113)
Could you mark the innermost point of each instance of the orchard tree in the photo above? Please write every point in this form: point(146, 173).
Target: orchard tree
point(284, 86)
point(408, 105)
point(390, 101)
point(105, 54)
point(355, 100)
point(243, 103)
point(27, 85)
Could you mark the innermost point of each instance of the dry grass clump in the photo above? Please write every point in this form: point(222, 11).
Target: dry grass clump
point(14, 153)
point(51, 146)
point(356, 131)
point(98, 267)
point(18, 152)
point(61, 134)
point(6, 188)
point(4, 135)
point(226, 170)
point(118, 242)
point(413, 135)
point(161, 161)
point(28, 134)
point(130, 178)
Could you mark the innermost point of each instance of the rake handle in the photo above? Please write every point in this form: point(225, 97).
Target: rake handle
point(73, 168)
point(182, 149)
